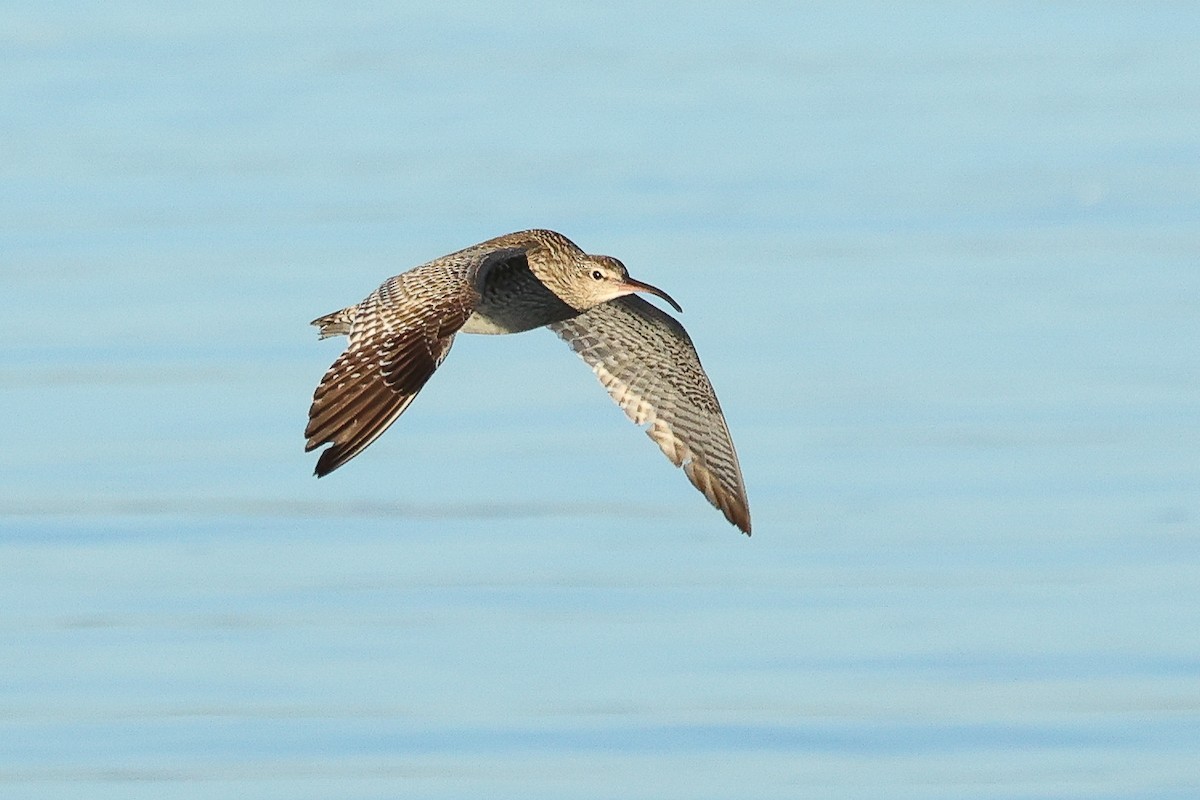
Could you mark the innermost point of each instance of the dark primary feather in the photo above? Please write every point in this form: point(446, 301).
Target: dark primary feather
point(647, 362)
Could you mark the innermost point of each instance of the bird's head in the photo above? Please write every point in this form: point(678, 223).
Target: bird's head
point(593, 280)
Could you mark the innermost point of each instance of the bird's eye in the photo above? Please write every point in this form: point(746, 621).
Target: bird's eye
point(597, 274)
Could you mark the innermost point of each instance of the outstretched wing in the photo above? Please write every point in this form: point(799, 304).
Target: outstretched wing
point(398, 337)
point(647, 362)
point(367, 388)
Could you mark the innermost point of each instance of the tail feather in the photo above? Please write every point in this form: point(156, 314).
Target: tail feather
point(336, 323)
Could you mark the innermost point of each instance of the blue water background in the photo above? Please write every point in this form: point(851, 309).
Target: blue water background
point(941, 260)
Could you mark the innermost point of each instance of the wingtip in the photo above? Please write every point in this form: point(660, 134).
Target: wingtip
point(322, 468)
point(329, 461)
point(733, 504)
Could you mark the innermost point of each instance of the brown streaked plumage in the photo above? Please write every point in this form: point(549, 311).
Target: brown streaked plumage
point(401, 333)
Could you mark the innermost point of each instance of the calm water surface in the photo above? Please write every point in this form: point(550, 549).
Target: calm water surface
point(940, 263)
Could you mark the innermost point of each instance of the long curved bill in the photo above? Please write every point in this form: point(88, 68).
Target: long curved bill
point(638, 286)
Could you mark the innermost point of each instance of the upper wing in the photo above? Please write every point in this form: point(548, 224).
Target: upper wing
point(398, 338)
point(646, 361)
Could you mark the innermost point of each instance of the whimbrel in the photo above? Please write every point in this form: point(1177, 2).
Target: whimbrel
point(401, 333)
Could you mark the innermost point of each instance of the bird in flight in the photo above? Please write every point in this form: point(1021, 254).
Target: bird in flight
point(400, 334)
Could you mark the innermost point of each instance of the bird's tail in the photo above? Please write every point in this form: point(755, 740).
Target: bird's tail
point(335, 324)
